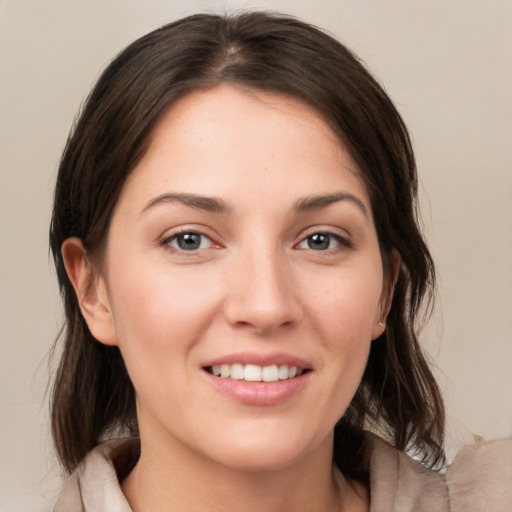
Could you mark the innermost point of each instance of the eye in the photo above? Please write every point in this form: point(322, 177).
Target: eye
point(323, 242)
point(189, 241)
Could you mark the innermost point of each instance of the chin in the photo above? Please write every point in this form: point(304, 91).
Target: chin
point(270, 452)
point(259, 461)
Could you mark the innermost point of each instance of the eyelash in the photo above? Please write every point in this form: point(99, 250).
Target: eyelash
point(340, 240)
point(167, 241)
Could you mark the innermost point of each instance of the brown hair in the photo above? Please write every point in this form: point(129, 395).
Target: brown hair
point(92, 393)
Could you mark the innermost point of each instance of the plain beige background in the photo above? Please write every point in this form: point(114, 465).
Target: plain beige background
point(448, 66)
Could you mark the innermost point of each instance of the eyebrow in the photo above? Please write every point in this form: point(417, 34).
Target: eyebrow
point(209, 204)
point(321, 201)
point(217, 205)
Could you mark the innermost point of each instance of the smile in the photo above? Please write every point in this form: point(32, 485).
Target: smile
point(255, 373)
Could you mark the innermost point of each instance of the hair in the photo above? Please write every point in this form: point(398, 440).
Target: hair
point(92, 395)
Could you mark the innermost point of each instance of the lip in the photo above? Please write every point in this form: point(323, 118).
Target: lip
point(259, 393)
point(261, 360)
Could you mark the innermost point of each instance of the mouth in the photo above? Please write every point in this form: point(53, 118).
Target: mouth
point(256, 373)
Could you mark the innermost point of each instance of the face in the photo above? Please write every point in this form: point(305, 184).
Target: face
point(243, 280)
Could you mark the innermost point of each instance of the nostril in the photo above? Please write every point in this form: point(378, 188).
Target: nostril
point(263, 320)
point(261, 295)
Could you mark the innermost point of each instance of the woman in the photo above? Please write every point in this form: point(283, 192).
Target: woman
point(235, 237)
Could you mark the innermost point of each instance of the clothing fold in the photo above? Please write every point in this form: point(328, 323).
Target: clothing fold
point(478, 480)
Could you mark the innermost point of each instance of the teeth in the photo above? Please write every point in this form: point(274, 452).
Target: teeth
point(252, 373)
point(237, 371)
point(283, 372)
point(255, 373)
point(270, 373)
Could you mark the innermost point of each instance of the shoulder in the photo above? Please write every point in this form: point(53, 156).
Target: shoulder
point(480, 477)
point(400, 483)
point(94, 485)
point(478, 480)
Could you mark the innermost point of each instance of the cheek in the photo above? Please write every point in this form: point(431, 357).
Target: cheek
point(344, 309)
point(345, 305)
point(160, 317)
point(161, 309)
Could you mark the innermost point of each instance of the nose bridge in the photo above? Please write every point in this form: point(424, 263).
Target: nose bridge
point(261, 287)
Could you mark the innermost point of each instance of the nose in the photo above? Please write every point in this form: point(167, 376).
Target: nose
point(262, 293)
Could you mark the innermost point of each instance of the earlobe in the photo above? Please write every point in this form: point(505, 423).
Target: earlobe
point(91, 291)
point(387, 293)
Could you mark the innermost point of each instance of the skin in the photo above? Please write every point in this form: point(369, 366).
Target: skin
point(256, 285)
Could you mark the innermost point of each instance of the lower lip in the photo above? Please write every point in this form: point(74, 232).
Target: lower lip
point(259, 393)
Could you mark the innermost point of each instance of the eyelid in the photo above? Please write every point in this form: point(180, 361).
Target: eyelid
point(169, 235)
point(343, 239)
point(176, 238)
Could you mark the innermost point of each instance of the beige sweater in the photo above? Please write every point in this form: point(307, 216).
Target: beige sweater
point(479, 480)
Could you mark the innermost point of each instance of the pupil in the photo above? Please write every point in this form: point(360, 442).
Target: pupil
point(318, 241)
point(189, 241)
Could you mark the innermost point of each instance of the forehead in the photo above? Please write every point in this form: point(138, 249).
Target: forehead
point(224, 141)
point(244, 111)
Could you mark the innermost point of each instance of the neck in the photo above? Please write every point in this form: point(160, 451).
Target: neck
point(169, 479)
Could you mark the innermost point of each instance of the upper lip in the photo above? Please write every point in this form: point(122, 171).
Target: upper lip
point(258, 359)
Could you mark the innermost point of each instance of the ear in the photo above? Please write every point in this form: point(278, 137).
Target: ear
point(91, 291)
point(390, 277)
